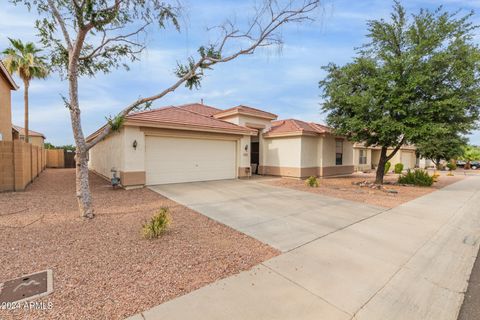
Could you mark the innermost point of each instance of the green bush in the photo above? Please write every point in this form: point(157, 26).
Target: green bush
point(398, 168)
point(157, 225)
point(387, 166)
point(312, 182)
point(416, 177)
point(452, 165)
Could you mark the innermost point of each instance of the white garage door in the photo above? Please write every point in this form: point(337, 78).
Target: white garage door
point(174, 160)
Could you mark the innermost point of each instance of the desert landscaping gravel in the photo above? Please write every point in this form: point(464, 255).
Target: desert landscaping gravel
point(103, 268)
point(343, 187)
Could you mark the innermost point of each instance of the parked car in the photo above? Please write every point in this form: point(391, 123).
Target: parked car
point(475, 165)
point(461, 163)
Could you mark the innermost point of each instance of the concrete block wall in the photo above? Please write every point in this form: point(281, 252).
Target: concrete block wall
point(20, 164)
point(7, 173)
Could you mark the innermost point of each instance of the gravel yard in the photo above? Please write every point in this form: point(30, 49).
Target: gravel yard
point(103, 268)
point(342, 187)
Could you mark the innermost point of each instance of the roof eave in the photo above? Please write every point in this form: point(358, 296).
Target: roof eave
point(230, 113)
point(177, 126)
point(8, 76)
point(290, 134)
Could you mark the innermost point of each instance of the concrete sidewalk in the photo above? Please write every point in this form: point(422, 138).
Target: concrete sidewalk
point(410, 262)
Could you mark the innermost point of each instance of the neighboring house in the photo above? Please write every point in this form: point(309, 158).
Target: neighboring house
point(196, 142)
point(35, 138)
point(367, 158)
point(427, 163)
point(6, 86)
point(20, 163)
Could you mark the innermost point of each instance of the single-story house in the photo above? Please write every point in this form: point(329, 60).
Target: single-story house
point(35, 138)
point(6, 86)
point(367, 158)
point(196, 142)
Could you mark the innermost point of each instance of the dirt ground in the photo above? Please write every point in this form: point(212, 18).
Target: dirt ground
point(103, 268)
point(342, 187)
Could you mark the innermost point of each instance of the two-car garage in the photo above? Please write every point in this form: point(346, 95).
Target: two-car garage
point(172, 145)
point(175, 160)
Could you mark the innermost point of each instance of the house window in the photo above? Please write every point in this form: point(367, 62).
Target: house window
point(338, 152)
point(363, 157)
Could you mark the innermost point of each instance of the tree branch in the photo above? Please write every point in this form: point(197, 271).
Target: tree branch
point(121, 38)
point(108, 129)
point(265, 37)
point(400, 144)
point(61, 22)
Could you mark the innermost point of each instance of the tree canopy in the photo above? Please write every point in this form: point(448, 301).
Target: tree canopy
point(442, 147)
point(417, 76)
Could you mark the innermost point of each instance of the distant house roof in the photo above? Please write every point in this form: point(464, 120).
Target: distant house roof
point(291, 127)
point(249, 111)
point(7, 76)
point(31, 133)
point(201, 109)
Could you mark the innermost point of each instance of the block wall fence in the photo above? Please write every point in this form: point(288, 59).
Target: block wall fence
point(20, 164)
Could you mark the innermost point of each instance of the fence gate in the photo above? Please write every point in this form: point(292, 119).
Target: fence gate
point(69, 157)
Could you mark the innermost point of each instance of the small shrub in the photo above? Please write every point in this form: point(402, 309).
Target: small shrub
point(452, 166)
point(417, 178)
point(398, 168)
point(387, 166)
point(312, 182)
point(157, 225)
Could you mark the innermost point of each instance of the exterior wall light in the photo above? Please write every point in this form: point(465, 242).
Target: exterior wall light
point(246, 147)
point(135, 144)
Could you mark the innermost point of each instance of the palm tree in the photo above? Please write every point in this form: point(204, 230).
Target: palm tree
point(24, 60)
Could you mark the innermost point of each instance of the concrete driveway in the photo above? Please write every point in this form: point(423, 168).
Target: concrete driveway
point(411, 262)
point(283, 218)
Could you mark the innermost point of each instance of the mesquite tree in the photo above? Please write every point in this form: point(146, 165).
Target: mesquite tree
point(441, 147)
point(417, 77)
point(90, 36)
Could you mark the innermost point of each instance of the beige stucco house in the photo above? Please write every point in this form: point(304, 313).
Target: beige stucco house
point(6, 86)
point(367, 158)
point(196, 142)
point(35, 138)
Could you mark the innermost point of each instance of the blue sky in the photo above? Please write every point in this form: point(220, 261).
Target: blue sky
point(283, 81)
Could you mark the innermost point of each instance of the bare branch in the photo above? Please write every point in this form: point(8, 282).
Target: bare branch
point(121, 38)
point(266, 36)
point(108, 129)
point(61, 22)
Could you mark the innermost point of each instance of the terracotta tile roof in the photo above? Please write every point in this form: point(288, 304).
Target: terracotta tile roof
point(201, 109)
point(178, 116)
point(294, 126)
point(5, 74)
point(247, 111)
point(31, 133)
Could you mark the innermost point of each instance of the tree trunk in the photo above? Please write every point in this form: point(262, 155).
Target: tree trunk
point(84, 196)
point(381, 166)
point(25, 102)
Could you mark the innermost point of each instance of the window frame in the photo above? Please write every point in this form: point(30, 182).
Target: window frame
point(362, 157)
point(338, 155)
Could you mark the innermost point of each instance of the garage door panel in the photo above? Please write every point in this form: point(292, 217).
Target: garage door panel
point(175, 160)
